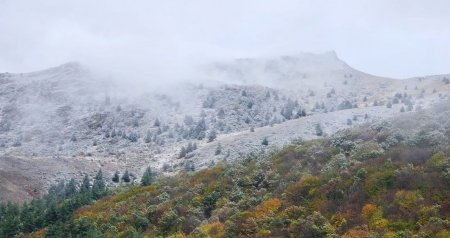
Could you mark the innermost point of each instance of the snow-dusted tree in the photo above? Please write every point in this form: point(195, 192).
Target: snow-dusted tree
point(189, 166)
point(147, 177)
point(85, 185)
point(157, 123)
point(99, 186)
point(182, 153)
point(126, 177)
point(389, 105)
point(218, 149)
point(133, 137)
point(349, 122)
point(319, 131)
point(212, 135)
point(71, 188)
point(221, 114)
point(148, 137)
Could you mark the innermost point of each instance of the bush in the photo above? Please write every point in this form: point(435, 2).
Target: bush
point(438, 161)
point(379, 181)
point(447, 175)
point(140, 221)
point(343, 144)
point(361, 173)
point(370, 150)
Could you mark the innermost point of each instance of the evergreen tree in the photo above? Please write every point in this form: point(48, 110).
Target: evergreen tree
point(189, 166)
point(212, 136)
point(57, 191)
point(349, 122)
point(10, 222)
point(182, 152)
point(265, 141)
point(148, 137)
point(389, 105)
point(126, 177)
point(85, 185)
point(218, 149)
point(147, 177)
point(157, 123)
point(27, 216)
point(99, 187)
point(221, 114)
point(113, 133)
point(133, 137)
point(71, 188)
point(189, 148)
point(319, 131)
point(303, 113)
point(116, 177)
point(55, 230)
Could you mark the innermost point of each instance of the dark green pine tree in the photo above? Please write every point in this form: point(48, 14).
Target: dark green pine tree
point(55, 230)
point(147, 177)
point(27, 217)
point(116, 177)
point(99, 187)
point(126, 177)
point(71, 188)
point(85, 185)
point(10, 224)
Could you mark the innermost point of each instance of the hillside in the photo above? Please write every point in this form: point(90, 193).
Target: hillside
point(66, 121)
point(383, 179)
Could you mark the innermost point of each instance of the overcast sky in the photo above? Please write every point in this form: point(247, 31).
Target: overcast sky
point(396, 38)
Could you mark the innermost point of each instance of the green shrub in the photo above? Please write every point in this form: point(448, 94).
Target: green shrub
point(370, 150)
point(379, 181)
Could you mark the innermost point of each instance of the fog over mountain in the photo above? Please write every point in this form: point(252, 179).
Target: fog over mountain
point(74, 120)
point(224, 119)
point(155, 41)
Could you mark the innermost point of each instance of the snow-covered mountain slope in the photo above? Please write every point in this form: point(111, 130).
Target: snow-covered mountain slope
point(64, 121)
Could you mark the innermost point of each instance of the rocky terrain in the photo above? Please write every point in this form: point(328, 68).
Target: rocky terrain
point(66, 121)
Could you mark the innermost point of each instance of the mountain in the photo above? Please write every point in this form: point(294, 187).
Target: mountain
point(66, 121)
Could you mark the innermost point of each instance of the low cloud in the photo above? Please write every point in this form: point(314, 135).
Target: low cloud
point(156, 41)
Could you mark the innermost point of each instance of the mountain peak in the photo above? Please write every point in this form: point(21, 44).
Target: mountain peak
point(270, 71)
point(64, 71)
